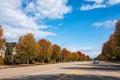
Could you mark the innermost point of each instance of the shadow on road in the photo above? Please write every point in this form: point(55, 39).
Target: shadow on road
point(96, 67)
point(103, 65)
point(67, 77)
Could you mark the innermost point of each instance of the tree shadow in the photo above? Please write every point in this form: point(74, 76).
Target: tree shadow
point(67, 77)
point(102, 67)
point(94, 68)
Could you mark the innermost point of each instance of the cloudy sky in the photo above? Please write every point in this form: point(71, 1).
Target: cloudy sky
point(74, 24)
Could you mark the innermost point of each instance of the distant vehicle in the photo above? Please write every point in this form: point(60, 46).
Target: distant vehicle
point(95, 62)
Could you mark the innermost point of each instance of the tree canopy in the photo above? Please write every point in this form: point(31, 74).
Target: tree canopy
point(29, 51)
point(27, 48)
point(44, 50)
point(8, 54)
point(111, 48)
point(56, 53)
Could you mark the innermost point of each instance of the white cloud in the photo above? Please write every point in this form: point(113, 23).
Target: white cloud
point(97, 1)
point(91, 51)
point(113, 2)
point(16, 22)
point(89, 6)
point(107, 24)
point(98, 4)
point(12, 34)
point(51, 9)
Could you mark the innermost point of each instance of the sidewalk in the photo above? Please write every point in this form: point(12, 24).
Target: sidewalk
point(16, 66)
point(13, 66)
point(4, 66)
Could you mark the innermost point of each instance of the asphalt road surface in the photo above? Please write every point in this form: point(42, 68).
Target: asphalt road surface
point(64, 71)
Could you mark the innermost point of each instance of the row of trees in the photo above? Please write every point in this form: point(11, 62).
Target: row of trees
point(111, 48)
point(28, 50)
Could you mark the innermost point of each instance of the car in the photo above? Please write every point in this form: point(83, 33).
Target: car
point(95, 62)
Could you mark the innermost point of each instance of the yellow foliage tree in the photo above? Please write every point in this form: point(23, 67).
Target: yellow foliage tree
point(27, 48)
point(1, 39)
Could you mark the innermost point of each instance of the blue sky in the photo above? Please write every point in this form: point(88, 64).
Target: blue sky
point(74, 24)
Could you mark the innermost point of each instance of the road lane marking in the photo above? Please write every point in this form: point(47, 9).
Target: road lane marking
point(76, 71)
point(65, 75)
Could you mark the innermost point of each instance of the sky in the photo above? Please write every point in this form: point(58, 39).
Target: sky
point(78, 25)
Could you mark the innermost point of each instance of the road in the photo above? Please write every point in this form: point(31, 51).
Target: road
point(64, 71)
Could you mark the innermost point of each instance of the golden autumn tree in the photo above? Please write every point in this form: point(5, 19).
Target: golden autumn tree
point(45, 50)
point(56, 53)
point(111, 48)
point(1, 31)
point(2, 40)
point(66, 55)
point(27, 49)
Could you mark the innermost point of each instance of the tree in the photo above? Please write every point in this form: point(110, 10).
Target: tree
point(83, 57)
point(64, 54)
point(80, 55)
point(117, 38)
point(1, 31)
point(67, 55)
point(2, 40)
point(108, 50)
point(75, 56)
point(111, 48)
point(8, 54)
point(1, 59)
point(56, 53)
point(101, 57)
point(27, 49)
point(45, 50)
